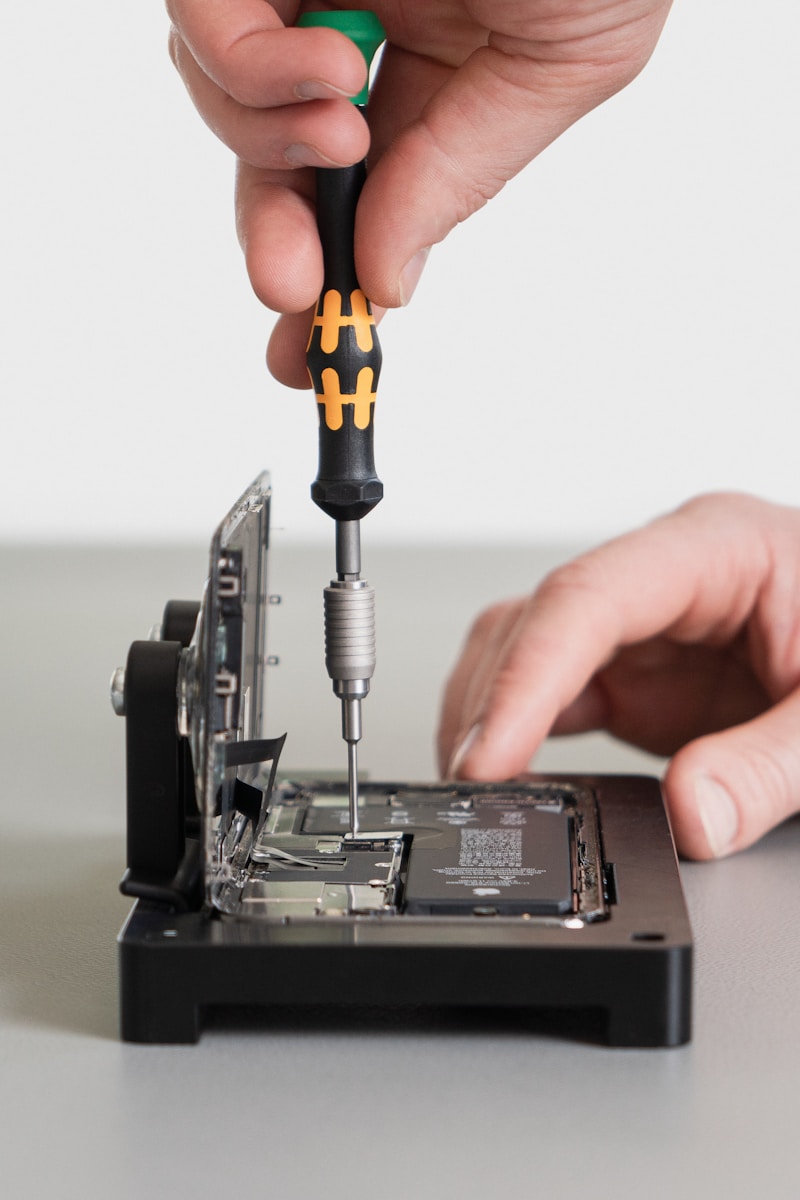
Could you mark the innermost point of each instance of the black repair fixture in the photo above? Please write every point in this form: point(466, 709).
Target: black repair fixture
point(557, 894)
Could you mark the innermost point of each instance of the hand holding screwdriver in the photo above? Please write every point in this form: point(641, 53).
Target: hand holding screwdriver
point(467, 94)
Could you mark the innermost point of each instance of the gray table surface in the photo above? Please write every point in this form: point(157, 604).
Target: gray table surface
point(332, 1109)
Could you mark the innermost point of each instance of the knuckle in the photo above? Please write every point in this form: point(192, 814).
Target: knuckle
point(467, 186)
point(772, 765)
point(715, 505)
point(581, 576)
point(511, 677)
point(226, 77)
point(488, 621)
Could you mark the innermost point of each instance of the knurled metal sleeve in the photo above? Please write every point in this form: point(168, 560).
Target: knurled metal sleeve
point(350, 630)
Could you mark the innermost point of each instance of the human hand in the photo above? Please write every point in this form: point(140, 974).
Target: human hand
point(468, 92)
point(682, 638)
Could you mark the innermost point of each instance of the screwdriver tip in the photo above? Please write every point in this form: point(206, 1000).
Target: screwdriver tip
point(352, 785)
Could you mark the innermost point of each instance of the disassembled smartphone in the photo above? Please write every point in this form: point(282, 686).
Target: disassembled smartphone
point(558, 893)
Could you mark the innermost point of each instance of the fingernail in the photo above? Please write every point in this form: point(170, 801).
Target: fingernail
point(301, 155)
point(463, 750)
point(410, 274)
point(318, 89)
point(718, 814)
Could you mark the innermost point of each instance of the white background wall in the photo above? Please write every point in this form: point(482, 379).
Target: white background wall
point(615, 332)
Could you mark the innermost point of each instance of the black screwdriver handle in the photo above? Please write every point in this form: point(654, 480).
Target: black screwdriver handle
point(343, 358)
point(344, 354)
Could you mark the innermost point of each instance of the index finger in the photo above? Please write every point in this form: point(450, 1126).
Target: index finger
point(251, 51)
point(694, 575)
point(520, 86)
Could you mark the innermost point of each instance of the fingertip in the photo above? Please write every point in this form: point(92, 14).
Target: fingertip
point(703, 813)
point(491, 751)
point(278, 234)
point(718, 814)
point(411, 275)
point(397, 223)
point(173, 37)
point(727, 790)
point(387, 286)
point(261, 63)
point(462, 750)
point(286, 357)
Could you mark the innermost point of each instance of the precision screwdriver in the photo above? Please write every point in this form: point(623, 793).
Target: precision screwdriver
point(344, 362)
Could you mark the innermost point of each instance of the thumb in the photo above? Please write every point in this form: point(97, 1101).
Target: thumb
point(494, 114)
point(725, 791)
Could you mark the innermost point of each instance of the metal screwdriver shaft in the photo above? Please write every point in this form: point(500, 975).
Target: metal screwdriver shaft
point(350, 645)
point(344, 362)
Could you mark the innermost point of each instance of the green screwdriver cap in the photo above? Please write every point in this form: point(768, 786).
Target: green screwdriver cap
point(360, 26)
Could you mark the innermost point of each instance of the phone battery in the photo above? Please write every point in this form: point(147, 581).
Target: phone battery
point(502, 857)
